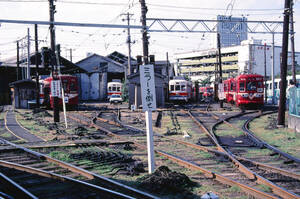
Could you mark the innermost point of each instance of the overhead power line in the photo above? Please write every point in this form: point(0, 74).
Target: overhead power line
point(219, 9)
point(63, 1)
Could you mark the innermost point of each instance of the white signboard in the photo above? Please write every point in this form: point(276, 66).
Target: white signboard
point(148, 87)
point(55, 88)
point(66, 99)
point(221, 93)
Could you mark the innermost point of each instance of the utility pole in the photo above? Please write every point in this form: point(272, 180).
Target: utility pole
point(273, 66)
point(168, 76)
point(54, 68)
point(216, 79)
point(18, 61)
point(28, 53)
point(293, 43)
point(128, 69)
point(71, 57)
point(37, 66)
point(148, 113)
point(220, 68)
point(265, 71)
point(144, 31)
point(283, 65)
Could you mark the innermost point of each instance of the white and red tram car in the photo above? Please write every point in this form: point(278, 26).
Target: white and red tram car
point(180, 90)
point(114, 87)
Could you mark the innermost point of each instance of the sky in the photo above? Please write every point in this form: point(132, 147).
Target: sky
point(104, 41)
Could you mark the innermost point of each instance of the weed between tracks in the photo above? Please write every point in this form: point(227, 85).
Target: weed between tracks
point(110, 170)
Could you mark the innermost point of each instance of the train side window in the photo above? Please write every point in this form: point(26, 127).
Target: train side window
point(172, 88)
point(109, 88)
point(118, 88)
point(242, 86)
point(183, 88)
point(232, 86)
point(177, 88)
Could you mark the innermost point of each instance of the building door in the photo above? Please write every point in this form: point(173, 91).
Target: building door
point(94, 86)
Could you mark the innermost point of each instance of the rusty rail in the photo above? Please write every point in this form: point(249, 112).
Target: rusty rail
point(85, 173)
point(210, 174)
point(250, 174)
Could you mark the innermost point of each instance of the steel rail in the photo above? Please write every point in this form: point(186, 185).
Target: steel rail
point(250, 174)
point(254, 192)
point(221, 179)
point(86, 173)
point(254, 138)
point(91, 124)
point(15, 188)
point(265, 144)
point(257, 164)
point(256, 141)
point(51, 175)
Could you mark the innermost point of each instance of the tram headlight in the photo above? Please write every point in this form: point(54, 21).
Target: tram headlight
point(245, 95)
point(260, 90)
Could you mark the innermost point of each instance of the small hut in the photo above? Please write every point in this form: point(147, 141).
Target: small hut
point(23, 93)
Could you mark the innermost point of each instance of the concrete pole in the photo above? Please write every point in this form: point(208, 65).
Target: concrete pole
point(144, 31)
point(293, 43)
point(150, 148)
point(265, 71)
point(283, 65)
point(37, 66)
point(18, 61)
point(273, 67)
point(220, 68)
point(28, 53)
point(54, 68)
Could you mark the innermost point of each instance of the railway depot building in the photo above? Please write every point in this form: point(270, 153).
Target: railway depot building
point(249, 57)
point(100, 70)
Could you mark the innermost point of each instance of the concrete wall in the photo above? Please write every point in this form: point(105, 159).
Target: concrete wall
point(294, 122)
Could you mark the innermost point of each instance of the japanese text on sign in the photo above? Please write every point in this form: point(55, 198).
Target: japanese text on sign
point(55, 88)
point(148, 87)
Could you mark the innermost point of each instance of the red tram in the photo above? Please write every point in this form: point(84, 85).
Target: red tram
point(245, 89)
point(70, 86)
point(206, 91)
point(229, 90)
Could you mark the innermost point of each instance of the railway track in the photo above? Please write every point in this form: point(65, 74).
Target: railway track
point(269, 177)
point(29, 174)
point(192, 163)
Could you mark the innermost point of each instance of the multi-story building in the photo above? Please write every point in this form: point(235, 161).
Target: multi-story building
point(249, 57)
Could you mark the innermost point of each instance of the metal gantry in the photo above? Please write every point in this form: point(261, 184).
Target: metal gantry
point(210, 26)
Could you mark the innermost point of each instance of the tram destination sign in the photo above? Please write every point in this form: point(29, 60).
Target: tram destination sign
point(148, 87)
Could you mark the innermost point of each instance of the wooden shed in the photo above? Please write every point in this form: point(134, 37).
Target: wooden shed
point(161, 85)
point(23, 93)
